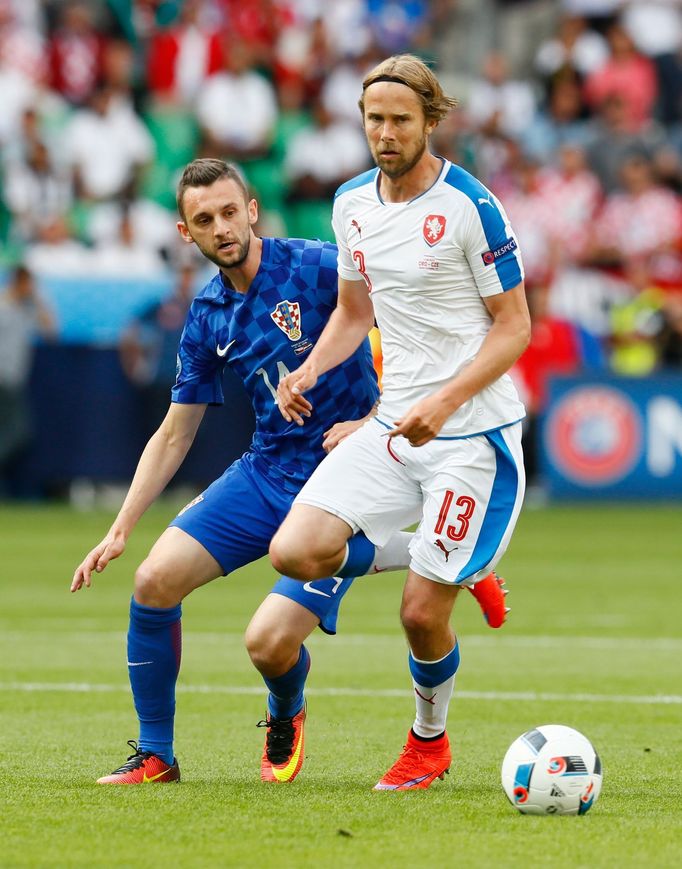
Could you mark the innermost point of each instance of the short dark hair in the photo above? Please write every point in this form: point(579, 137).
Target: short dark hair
point(204, 172)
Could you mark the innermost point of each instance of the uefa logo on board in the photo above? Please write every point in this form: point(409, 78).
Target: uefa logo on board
point(594, 435)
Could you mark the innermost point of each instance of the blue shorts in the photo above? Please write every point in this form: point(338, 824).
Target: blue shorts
point(235, 519)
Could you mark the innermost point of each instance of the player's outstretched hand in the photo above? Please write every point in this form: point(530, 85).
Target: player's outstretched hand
point(339, 432)
point(97, 559)
point(292, 405)
point(422, 422)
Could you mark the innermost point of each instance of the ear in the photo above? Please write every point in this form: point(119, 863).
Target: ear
point(184, 232)
point(253, 212)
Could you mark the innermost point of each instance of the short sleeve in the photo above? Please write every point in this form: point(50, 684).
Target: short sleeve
point(491, 247)
point(346, 266)
point(199, 369)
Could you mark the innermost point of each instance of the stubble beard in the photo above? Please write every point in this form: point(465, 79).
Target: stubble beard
point(234, 259)
point(402, 168)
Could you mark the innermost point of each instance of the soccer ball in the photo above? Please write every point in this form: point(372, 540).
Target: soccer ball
point(552, 770)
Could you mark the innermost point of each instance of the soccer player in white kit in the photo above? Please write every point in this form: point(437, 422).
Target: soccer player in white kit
point(428, 251)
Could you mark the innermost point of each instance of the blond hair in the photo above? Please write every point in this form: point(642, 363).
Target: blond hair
point(411, 71)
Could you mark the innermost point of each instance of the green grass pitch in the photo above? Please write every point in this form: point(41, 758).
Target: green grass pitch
point(594, 641)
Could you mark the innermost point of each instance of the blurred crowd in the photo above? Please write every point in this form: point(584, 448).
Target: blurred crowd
point(570, 111)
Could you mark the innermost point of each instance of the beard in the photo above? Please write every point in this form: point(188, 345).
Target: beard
point(402, 166)
point(231, 260)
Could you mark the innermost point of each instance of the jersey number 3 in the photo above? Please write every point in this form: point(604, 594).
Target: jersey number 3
point(359, 260)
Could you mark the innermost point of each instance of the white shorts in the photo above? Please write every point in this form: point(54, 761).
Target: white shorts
point(466, 494)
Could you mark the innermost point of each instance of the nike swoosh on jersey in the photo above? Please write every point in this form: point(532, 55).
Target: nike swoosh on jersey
point(284, 774)
point(222, 351)
point(308, 586)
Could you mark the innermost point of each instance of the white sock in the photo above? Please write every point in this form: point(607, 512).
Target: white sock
point(433, 701)
point(395, 555)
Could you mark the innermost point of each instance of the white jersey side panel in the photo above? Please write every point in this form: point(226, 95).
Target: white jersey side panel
point(428, 264)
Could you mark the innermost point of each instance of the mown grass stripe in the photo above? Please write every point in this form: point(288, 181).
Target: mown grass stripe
point(515, 696)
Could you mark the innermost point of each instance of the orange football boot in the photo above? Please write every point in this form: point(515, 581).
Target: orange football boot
point(283, 752)
point(419, 765)
point(142, 768)
point(490, 593)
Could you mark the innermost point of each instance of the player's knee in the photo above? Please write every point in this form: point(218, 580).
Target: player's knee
point(287, 557)
point(152, 586)
point(270, 652)
point(418, 620)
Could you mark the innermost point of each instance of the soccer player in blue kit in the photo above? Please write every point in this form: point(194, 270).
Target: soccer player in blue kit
point(260, 315)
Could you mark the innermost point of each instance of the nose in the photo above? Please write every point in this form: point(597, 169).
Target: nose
point(221, 225)
point(387, 131)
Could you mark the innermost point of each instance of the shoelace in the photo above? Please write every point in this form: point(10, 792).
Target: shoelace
point(280, 738)
point(135, 761)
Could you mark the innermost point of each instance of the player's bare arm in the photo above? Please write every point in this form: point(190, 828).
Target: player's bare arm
point(505, 342)
point(347, 328)
point(158, 463)
point(340, 431)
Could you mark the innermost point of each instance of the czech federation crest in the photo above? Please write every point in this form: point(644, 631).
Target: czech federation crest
point(433, 229)
point(287, 315)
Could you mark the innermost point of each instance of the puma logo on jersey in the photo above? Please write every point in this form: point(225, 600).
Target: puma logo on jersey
point(487, 201)
point(357, 226)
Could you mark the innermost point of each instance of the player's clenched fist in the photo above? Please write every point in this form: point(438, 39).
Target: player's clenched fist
point(293, 406)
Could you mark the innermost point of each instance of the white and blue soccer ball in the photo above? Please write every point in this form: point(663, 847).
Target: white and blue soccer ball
point(552, 770)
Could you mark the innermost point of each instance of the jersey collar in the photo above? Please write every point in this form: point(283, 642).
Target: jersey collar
point(444, 168)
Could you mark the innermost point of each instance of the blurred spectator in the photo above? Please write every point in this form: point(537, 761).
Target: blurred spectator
point(36, 192)
point(17, 94)
point(343, 84)
point(530, 213)
point(499, 104)
point(635, 329)
point(303, 57)
point(148, 351)
point(574, 46)
point(627, 74)
point(181, 57)
point(574, 196)
point(126, 255)
point(397, 25)
point(152, 226)
point(641, 225)
point(655, 27)
point(23, 317)
point(321, 157)
point(57, 253)
point(107, 145)
point(21, 46)
point(610, 139)
point(75, 53)
point(237, 108)
point(671, 334)
point(561, 122)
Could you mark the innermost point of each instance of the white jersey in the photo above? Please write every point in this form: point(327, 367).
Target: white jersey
point(428, 264)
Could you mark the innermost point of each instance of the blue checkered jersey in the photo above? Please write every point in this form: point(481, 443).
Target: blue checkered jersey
point(264, 334)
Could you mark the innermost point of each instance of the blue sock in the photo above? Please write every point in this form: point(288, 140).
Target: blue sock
point(433, 673)
point(359, 558)
point(286, 691)
point(154, 649)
